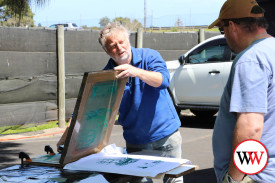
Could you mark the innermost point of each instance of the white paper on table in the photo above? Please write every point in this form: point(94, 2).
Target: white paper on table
point(111, 160)
point(96, 178)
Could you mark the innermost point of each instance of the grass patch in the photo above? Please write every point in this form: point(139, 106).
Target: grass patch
point(27, 128)
point(5, 128)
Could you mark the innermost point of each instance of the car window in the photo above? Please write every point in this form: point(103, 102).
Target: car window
point(74, 25)
point(209, 54)
point(65, 25)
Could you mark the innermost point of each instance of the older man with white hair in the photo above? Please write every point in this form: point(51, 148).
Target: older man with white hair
point(146, 113)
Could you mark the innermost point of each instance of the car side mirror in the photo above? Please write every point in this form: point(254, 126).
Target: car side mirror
point(182, 60)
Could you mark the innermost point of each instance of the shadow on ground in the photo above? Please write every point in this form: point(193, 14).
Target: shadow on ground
point(201, 176)
point(197, 122)
point(7, 156)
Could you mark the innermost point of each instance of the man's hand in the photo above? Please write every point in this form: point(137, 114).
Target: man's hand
point(149, 77)
point(127, 71)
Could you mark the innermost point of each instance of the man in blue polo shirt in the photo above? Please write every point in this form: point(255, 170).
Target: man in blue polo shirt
point(146, 113)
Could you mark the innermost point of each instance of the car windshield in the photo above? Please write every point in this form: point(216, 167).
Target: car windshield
point(74, 25)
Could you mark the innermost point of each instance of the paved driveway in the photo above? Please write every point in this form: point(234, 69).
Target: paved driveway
point(196, 134)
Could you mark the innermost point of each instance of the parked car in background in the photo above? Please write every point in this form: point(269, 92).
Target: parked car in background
point(67, 26)
point(199, 76)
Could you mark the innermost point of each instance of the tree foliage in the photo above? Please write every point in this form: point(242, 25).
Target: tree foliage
point(131, 25)
point(179, 23)
point(18, 10)
point(104, 21)
point(12, 21)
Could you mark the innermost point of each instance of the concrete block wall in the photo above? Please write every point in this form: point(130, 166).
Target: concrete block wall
point(28, 67)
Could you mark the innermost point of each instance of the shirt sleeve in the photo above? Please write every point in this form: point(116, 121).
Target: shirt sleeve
point(157, 64)
point(250, 87)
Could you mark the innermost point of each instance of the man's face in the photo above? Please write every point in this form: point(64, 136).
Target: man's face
point(230, 39)
point(118, 48)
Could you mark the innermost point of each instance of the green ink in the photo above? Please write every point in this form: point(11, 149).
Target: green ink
point(120, 162)
point(126, 161)
point(106, 161)
point(100, 113)
point(152, 164)
point(96, 115)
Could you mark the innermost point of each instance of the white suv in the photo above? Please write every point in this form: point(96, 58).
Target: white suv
point(199, 76)
point(67, 26)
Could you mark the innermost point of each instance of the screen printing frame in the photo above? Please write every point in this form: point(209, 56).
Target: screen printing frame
point(70, 152)
point(97, 104)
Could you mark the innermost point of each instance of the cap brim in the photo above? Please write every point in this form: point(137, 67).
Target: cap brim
point(216, 22)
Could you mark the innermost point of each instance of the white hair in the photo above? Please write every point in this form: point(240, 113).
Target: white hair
point(109, 29)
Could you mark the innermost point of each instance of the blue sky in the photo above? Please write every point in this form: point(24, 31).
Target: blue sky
point(159, 12)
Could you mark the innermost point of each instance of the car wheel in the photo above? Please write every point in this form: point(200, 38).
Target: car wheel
point(204, 113)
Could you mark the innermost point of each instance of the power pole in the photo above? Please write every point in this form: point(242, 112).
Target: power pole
point(61, 76)
point(152, 20)
point(145, 15)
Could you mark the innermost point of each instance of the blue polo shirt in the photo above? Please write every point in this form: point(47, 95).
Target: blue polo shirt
point(146, 113)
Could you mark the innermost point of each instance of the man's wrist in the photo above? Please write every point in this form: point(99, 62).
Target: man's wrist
point(231, 180)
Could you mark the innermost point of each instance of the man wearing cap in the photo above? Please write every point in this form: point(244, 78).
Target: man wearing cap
point(247, 108)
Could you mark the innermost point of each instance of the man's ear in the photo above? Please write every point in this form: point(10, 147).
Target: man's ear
point(232, 26)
